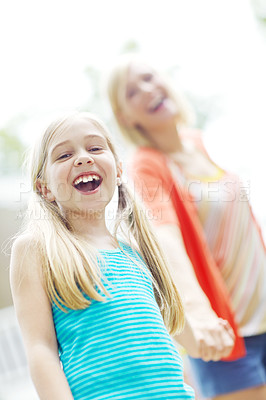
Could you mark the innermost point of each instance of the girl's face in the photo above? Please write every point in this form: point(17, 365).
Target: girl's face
point(81, 172)
point(145, 101)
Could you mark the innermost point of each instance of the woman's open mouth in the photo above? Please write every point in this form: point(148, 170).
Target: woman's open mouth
point(87, 183)
point(156, 104)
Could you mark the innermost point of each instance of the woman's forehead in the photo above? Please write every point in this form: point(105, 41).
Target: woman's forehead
point(139, 68)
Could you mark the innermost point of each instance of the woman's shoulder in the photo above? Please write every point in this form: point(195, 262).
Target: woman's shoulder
point(147, 153)
point(193, 136)
point(147, 158)
point(193, 133)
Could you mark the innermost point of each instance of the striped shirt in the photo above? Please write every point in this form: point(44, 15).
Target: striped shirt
point(120, 348)
point(236, 244)
point(233, 237)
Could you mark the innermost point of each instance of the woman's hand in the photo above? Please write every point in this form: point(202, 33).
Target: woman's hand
point(208, 339)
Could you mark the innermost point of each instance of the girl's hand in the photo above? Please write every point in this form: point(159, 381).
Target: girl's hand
point(211, 339)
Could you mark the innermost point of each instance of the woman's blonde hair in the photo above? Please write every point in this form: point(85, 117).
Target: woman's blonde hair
point(116, 88)
point(69, 264)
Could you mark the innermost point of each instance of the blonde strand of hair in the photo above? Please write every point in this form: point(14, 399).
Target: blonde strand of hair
point(167, 296)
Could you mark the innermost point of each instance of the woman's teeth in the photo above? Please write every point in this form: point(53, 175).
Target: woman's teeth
point(156, 104)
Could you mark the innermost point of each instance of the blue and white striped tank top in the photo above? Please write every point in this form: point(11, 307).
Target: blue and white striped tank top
point(120, 348)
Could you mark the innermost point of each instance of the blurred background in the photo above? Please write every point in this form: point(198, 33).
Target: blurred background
point(54, 55)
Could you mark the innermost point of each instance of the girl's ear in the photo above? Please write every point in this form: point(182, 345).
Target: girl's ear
point(44, 191)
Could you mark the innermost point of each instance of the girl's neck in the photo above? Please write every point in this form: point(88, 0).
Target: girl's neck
point(94, 230)
point(104, 241)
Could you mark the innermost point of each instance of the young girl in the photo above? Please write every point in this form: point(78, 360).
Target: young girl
point(92, 309)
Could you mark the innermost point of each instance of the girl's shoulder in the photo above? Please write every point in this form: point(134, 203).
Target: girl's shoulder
point(131, 249)
point(126, 247)
point(25, 255)
point(25, 242)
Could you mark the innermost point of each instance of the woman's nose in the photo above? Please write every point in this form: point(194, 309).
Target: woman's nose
point(146, 87)
point(83, 159)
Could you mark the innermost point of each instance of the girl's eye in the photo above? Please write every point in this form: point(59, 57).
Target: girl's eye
point(95, 149)
point(63, 156)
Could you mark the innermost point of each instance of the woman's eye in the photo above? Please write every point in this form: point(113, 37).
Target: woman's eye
point(131, 93)
point(147, 77)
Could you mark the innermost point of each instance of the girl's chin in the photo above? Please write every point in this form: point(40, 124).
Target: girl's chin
point(85, 210)
point(84, 213)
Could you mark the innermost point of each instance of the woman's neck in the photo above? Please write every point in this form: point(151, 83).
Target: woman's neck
point(166, 139)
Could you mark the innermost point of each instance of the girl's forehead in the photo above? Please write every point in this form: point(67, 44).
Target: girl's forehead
point(78, 128)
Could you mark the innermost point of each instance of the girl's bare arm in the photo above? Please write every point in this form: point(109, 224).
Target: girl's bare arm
point(34, 314)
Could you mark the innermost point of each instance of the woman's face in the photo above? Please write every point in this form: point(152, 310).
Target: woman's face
point(145, 101)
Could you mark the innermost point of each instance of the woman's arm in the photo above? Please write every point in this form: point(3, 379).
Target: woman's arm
point(205, 335)
point(34, 314)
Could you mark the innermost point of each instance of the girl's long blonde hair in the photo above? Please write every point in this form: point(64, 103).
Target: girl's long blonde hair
point(116, 88)
point(69, 264)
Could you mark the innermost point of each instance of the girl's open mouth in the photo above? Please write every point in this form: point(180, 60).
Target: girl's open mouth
point(87, 183)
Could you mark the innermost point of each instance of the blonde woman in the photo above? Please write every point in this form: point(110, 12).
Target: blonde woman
point(81, 296)
point(214, 248)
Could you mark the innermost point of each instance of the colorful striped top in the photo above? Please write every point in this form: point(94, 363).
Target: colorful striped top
point(169, 203)
point(236, 245)
point(233, 237)
point(120, 348)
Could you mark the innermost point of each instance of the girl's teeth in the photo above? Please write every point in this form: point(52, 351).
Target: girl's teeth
point(86, 178)
point(77, 181)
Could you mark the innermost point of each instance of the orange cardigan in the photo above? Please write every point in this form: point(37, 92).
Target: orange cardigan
point(154, 182)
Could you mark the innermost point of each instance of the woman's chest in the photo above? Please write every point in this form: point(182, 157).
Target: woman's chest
point(193, 163)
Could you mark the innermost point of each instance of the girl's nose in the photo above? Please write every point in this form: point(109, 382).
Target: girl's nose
point(83, 159)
